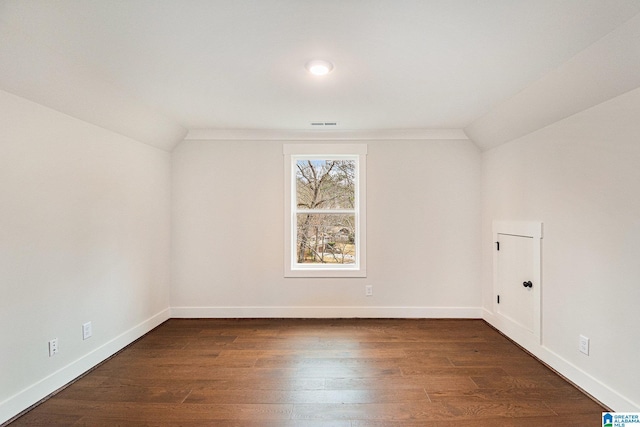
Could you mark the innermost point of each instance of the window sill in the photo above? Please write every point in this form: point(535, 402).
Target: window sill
point(324, 272)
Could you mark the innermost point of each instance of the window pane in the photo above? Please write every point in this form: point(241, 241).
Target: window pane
point(325, 184)
point(326, 239)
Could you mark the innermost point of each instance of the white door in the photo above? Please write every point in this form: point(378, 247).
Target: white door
point(515, 280)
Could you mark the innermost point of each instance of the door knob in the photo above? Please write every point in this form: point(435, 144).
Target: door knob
point(527, 284)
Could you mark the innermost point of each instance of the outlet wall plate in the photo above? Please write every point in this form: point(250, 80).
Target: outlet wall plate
point(583, 345)
point(368, 290)
point(87, 330)
point(53, 347)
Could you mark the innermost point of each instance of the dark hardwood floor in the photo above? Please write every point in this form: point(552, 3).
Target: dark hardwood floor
point(292, 372)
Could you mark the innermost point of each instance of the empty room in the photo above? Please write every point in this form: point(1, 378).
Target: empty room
point(352, 213)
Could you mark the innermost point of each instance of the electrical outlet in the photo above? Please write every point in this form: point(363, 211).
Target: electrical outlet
point(53, 347)
point(368, 290)
point(583, 345)
point(86, 330)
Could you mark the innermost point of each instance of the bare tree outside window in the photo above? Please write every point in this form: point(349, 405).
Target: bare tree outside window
point(325, 200)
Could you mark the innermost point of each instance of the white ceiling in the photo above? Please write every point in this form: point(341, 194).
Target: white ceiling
point(153, 69)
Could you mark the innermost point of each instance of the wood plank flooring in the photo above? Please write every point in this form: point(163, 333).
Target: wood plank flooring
point(319, 372)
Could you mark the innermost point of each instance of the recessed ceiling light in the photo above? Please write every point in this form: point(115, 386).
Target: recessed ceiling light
point(319, 67)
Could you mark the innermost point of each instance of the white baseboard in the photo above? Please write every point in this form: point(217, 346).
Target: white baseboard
point(328, 312)
point(34, 393)
point(582, 379)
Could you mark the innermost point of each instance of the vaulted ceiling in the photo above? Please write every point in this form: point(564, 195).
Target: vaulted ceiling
point(155, 69)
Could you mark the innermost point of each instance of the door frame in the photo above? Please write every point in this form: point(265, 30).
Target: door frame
point(530, 229)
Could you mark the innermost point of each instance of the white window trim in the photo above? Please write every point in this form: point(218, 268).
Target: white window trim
point(293, 152)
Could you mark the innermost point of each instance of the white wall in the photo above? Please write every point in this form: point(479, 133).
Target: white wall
point(423, 201)
point(581, 178)
point(84, 236)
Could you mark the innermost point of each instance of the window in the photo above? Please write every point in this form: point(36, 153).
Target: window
point(325, 225)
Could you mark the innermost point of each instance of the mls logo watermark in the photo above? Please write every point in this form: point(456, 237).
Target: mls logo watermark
point(620, 419)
